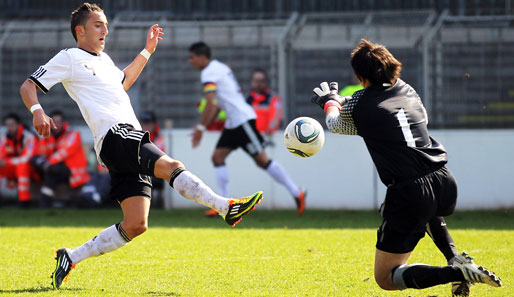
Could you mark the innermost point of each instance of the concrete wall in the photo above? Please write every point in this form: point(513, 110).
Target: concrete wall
point(343, 176)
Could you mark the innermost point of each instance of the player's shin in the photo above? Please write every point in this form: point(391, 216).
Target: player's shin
point(277, 171)
point(438, 231)
point(420, 276)
point(222, 178)
point(108, 240)
point(193, 188)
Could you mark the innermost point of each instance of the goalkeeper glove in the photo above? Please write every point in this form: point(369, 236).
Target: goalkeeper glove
point(328, 96)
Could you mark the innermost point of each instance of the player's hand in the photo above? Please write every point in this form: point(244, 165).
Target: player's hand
point(43, 123)
point(153, 37)
point(197, 137)
point(327, 93)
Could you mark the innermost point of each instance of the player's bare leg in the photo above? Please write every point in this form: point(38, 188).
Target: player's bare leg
point(135, 222)
point(135, 215)
point(384, 264)
point(277, 171)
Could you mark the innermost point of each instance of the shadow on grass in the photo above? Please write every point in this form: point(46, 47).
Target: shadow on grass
point(260, 219)
point(39, 290)
point(162, 294)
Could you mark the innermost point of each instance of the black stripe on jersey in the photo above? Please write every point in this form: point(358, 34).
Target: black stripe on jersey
point(38, 84)
point(123, 80)
point(39, 72)
point(35, 74)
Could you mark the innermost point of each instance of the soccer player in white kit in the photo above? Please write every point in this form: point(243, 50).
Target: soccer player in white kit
point(99, 88)
point(240, 131)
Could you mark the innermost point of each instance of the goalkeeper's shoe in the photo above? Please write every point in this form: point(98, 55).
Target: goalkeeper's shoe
point(62, 269)
point(300, 202)
point(474, 273)
point(238, 207)
point(460, 288)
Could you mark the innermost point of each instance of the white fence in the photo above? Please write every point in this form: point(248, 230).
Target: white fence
point(343, 176)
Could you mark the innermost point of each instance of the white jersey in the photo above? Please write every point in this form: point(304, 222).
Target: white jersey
point(95, 83)
point(218, 77)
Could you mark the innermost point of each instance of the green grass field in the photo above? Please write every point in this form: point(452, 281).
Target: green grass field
point(271, 253)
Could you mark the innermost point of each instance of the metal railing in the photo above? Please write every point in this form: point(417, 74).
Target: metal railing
point(247, 9)
point(462, 66)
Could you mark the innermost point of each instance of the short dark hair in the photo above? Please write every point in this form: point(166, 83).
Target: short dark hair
point(372, 61)
point(12, 116)
point(58, 113)
point(148, 117)
point(200, 49)
point(79, 16)
point(261, 70)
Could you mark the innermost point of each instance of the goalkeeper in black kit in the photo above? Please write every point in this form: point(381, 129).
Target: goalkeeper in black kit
point(389, 115)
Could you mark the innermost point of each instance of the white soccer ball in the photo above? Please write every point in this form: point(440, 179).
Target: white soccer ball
point(304, 137)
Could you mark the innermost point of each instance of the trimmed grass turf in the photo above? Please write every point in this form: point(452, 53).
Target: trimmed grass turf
point(271, 253)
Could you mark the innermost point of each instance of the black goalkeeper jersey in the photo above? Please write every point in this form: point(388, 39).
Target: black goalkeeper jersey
point(393, 123)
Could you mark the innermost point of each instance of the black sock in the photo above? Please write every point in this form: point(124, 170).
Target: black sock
point(174, 175)
point(438, 231)
point(420, 276)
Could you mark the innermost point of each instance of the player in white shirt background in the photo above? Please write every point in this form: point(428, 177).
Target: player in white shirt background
point(99, 88)
point(240, 131)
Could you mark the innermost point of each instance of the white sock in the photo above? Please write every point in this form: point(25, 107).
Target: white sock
point(279, 174)
point(222, 178)
point(106, 241)
point(193, 188)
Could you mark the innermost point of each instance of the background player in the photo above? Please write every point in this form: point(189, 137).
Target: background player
point(240, 131)
point(389, 116)
point(99, 88)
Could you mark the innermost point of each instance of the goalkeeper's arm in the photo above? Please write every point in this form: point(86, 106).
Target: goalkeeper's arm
point(338, 113)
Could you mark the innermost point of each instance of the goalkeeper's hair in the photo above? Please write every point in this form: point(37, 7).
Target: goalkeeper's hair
point(79, 16)
point(372, 61)
point(200, 49)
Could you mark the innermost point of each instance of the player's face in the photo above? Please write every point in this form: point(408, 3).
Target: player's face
point(95, 31)
point(196, 61)
point(258, 82)
point(12, 126)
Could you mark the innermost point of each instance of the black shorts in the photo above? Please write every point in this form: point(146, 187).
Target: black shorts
point(245, 136)
point(408, 207)
point(130, 157)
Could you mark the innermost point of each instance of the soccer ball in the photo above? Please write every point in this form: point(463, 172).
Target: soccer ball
point(304, 137)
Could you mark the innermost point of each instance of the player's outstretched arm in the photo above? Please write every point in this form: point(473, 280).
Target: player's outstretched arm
point(208, 115)
point(338, 113)
point(42, 123)
point(133, 70)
